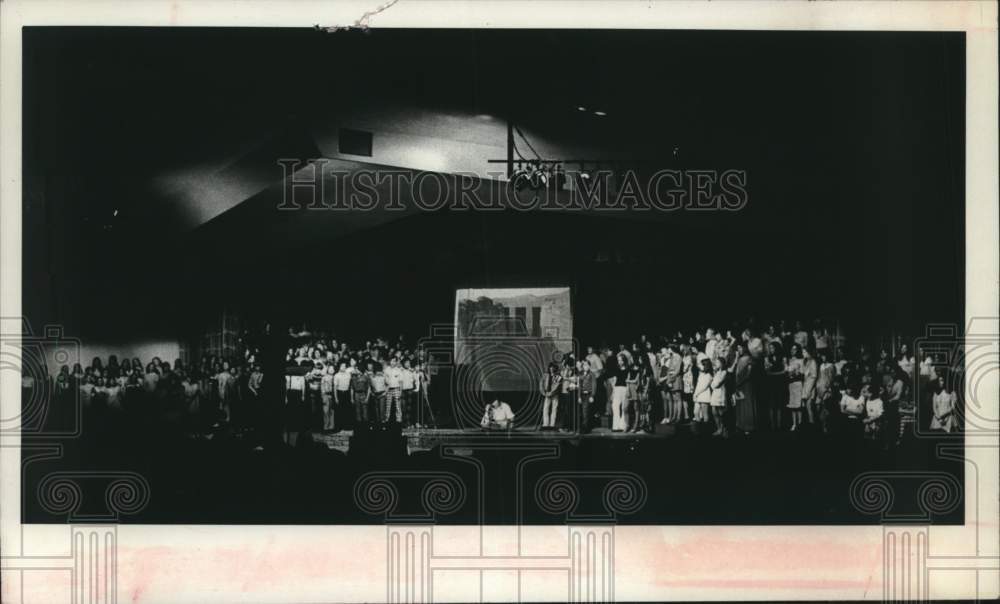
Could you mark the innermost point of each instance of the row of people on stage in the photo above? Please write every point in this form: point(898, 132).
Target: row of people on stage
point(327, 387)
point(768, 380)
point(331, 385)
point(755, 382)
point(358, 393)
point(204, 394)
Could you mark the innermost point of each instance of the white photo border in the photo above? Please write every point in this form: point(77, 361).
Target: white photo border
point(109, 563)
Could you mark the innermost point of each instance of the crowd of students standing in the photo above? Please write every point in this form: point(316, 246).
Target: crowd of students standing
point(772, 380)
point(722, 384)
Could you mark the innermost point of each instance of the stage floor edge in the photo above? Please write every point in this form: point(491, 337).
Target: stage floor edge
point(425, 439)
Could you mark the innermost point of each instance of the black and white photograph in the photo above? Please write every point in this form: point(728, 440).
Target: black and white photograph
point(501, 276)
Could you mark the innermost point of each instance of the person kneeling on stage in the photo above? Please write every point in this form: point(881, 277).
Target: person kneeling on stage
point(498, 416)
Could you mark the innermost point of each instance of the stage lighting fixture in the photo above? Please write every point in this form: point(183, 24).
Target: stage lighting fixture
point(521, 178)
point(539, 178)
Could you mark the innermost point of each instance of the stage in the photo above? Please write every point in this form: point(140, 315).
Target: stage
point(425, 439)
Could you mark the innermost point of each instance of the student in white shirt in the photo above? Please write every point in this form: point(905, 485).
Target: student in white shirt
point(839, 361)
point(711, 344)
point(905, 361)
point(192, 398)
point(297, 416)
point(874, 419)
point(596, 364)
point(852, 407)
point(87, 386)
point(498, 416)
point(342, 390)
point(928, 375)
point(112, 392)
point(151, 379)
point(394, 389)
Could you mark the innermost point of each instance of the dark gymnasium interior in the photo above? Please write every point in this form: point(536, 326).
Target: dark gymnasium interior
point(151, 186)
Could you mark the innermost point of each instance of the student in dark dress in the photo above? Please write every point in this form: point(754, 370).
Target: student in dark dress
point(744, 393)
point(777, 384)
point(587, 389)
point(632, 410)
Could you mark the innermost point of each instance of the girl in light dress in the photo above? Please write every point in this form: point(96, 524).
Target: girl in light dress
point(113, 394)
point(827, 372)
point(944, 405)
point(718, 396)
point(793, 368)
point(703, 392)
point(905, 361)
point(619, 395)
point(151, 380)
point(225, 383)
point(688, 364)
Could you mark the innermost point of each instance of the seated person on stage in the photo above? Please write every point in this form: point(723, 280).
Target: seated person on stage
point(498, 416)
point(852, 409)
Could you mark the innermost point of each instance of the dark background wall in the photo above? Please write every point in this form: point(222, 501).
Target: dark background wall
point(853, 145)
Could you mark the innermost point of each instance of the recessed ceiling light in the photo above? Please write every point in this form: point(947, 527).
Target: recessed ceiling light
point(581, 108)
point(600, 113)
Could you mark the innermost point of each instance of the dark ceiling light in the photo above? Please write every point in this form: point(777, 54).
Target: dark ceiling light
point(539, 178)
point(534, 175)
point(521, 178)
